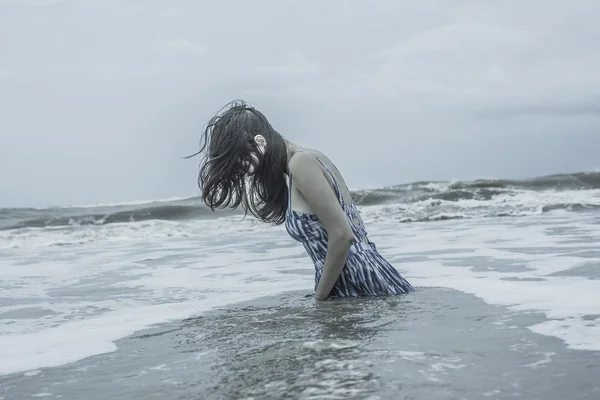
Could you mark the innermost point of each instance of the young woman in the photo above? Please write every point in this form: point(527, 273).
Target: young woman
point(250, 164)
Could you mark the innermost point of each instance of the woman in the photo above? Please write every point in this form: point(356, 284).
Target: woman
point(248, 163)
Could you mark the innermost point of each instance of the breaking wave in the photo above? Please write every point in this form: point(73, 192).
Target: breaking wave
point(418, 201)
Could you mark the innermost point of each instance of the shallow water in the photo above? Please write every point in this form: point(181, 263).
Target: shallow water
point(434, 344)
point(506, 307)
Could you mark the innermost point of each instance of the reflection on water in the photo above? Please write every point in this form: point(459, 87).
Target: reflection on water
point(291, 348)
point(432, 344)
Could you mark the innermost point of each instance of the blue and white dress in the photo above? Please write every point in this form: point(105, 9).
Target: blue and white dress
point(366, 272)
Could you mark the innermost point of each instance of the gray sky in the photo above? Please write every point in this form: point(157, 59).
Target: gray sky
point(99, 100)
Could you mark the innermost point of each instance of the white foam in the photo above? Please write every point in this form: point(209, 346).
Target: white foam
point(516, 203)
point(163, 271)
point(144, 291)
point(513, 203)
point(546, 359)
point(566, 300)
point(332, 344)
point(123, 232)
point(73, 341)
point(581, 335)
point(122, 203)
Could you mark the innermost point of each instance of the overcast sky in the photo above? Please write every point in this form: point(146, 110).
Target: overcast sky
point(100, 100)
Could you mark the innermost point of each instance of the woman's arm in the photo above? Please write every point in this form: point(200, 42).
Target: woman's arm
point(309, 177)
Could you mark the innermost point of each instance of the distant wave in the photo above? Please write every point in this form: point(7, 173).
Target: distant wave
point(443, 212)
point(15, 218)
point(418, 201)
point(480, 189)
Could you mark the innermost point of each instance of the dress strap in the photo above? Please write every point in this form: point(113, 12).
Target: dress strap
point(289, 202)
point(333, 181)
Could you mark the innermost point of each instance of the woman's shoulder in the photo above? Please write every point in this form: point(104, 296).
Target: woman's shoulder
point(309, 162)
point(308, 156)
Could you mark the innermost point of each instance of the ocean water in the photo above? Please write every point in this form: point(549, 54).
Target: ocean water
point(168, 300)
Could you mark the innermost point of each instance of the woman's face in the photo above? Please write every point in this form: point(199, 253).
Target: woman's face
point(250, 166)
point(261, 144)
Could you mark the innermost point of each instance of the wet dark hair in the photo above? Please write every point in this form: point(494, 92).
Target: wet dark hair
point(229, 143)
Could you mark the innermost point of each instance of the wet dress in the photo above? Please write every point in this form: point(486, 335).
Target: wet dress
point(366, 272)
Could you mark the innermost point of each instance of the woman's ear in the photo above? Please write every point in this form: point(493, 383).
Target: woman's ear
point(261, 142)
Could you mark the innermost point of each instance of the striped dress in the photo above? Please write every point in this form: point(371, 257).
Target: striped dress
point(366, 272)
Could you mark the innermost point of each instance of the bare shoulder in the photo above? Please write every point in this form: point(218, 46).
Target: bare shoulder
point(305, 166)
point(309, 177)
point(301, 161)
point(308, 159)
point(311, 181)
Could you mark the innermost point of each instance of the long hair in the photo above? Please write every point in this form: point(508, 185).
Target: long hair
point(230, 151)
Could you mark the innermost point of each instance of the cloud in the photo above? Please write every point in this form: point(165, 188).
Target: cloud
point(102, 98)
point(550, 108)
point(32, 3)
point(292, 64)
point(486, 57)
point(181, 46)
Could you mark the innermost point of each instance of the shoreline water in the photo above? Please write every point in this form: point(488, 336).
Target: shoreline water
point(439, 343)
point(78, 289)
point(171, 277)
point(72, 293)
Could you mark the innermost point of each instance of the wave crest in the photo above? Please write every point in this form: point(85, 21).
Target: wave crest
point(417, 201)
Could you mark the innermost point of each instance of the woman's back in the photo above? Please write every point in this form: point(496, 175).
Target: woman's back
point(365, 272)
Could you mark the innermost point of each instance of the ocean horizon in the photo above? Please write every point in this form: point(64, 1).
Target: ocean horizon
point(177, 208)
